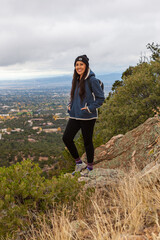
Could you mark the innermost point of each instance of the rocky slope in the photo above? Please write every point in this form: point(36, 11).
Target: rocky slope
point(138, 147)
point(130, 164)
point(137, 152)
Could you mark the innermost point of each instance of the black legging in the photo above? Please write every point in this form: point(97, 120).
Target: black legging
point(86, 126)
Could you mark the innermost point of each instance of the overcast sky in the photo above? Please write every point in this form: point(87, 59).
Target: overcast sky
point(43, 37)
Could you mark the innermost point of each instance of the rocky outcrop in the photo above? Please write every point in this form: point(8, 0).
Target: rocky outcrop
point(150, 174)
point(130, 158)
point(101, 177)
point(137, 147)
point(137, 152)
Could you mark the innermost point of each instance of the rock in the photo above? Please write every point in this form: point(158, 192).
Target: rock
point(85, 179)
point(76, 224)
point(150, 174)
point(137, 148)
point(68, 175)
point(100, 177)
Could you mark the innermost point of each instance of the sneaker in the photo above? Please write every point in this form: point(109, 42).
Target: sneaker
point(79, 167)
point(85, 172)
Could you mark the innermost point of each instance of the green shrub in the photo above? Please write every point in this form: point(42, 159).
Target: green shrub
point(23, 189)
point(132, 101)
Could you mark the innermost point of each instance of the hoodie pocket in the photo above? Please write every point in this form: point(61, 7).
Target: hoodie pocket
point(87, 109)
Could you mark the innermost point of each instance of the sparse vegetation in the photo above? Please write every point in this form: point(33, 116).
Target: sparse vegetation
point(23, 190)
point(129, 210)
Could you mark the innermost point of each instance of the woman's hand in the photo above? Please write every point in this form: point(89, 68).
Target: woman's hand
point(69, 108)
point(84, 108)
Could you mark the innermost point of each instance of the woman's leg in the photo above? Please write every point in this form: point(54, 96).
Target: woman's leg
point(71, 130)
point(87, 127)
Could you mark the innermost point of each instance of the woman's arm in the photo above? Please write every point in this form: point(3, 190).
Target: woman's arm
point(98, 94)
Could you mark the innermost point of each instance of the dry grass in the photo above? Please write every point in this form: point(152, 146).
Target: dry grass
point(130, 209)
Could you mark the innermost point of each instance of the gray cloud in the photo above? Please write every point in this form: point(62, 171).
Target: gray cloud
point(43, 37)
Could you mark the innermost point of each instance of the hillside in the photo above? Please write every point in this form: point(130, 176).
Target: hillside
point(139, 146)
point(137, 150)
point(109, 204)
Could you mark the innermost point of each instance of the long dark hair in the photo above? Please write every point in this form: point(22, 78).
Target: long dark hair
point(81, 84)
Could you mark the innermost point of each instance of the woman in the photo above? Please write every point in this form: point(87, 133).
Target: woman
point(86, 96)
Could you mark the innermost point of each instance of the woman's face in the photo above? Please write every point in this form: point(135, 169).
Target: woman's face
point(80, 68)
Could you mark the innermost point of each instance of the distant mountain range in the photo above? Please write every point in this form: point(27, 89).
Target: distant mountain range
point(53, 82)
point(109, 79)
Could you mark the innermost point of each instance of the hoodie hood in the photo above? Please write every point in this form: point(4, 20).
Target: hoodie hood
point(90, 74)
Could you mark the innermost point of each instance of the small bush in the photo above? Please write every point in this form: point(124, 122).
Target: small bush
point(23, 189)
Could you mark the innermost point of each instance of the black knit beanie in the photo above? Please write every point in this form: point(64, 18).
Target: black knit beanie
point(82, 58)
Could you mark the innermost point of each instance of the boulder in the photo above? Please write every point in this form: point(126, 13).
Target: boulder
point(137, 148)
point(150, 174)
point(101, 177)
